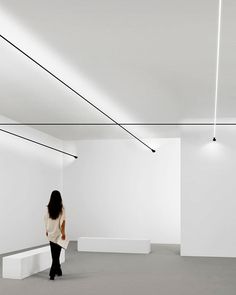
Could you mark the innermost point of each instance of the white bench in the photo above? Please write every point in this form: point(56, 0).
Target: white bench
point(114, 245)
point(24, 264)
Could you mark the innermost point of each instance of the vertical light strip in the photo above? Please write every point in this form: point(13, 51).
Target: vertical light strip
point(217, 67)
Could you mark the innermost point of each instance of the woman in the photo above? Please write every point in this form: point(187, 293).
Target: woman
point(55, 228)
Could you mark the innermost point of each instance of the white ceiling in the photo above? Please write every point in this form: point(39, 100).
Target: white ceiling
point(153, 60)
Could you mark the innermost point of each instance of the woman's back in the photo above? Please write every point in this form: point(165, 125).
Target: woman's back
point(53, 226)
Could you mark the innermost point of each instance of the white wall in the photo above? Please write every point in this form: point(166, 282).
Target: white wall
point(117, 188)
point(28, 174)
point(208, 192)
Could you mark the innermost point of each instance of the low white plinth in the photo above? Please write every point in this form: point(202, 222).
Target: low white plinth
point(114, 245)
point(24, 264)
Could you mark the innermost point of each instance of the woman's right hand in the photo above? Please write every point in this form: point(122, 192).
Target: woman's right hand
point(63, 237)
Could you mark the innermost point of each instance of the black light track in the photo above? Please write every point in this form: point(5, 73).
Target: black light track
point(36, 142)
point(114, 124)
point(76, 92)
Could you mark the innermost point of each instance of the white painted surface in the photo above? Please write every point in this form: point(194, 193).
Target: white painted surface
point(113, 245)
point(117, 188)
point(25, 264)
point(28, 174)
point(208, 192)
point(154, 62)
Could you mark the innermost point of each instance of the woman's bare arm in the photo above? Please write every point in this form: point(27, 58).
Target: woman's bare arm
point(63, 230)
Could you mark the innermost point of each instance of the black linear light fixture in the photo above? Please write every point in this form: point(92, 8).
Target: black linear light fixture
point(124, 124)
point(36, 142)
point(76, 92)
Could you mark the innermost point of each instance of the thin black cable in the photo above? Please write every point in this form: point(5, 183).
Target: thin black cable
point(77, 93)
point(113, 124)
point(36, 142)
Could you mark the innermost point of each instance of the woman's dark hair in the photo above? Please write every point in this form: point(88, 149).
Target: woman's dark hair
point(55, 205)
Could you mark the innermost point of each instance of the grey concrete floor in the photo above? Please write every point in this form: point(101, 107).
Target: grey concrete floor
point(162, 272)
